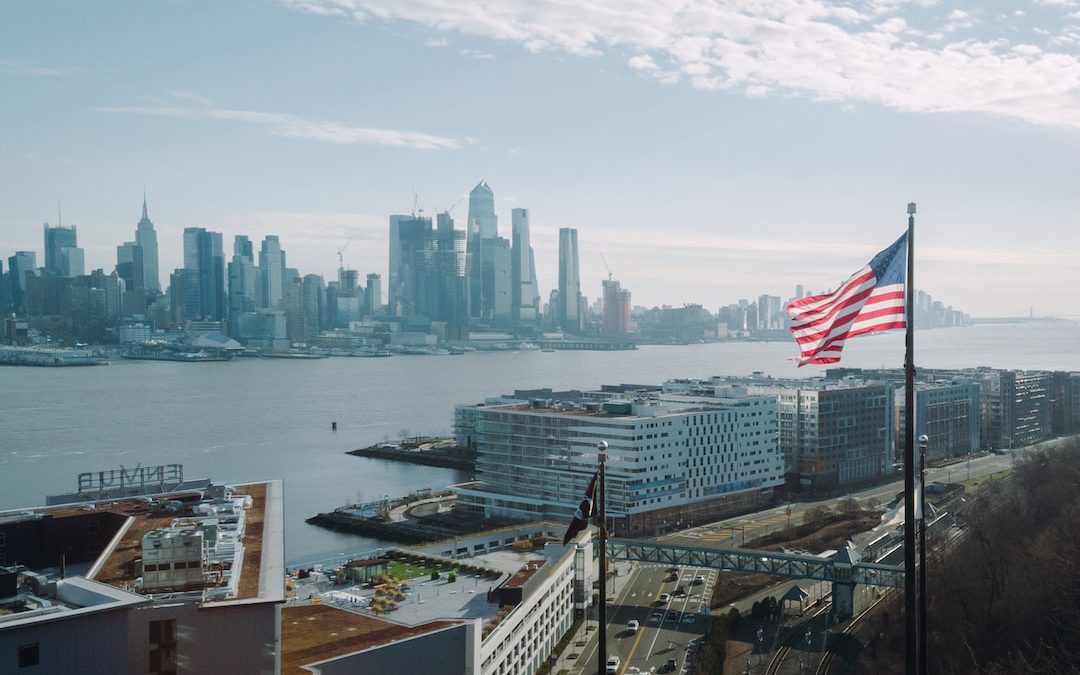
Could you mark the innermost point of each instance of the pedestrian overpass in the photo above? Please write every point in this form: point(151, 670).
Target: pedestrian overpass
point(844, 570)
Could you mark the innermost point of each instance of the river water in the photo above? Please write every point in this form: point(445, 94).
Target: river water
point(252, 419)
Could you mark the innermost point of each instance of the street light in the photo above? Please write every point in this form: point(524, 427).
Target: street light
point(761, 643)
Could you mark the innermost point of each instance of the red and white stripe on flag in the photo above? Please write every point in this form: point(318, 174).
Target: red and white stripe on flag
point(871, 300)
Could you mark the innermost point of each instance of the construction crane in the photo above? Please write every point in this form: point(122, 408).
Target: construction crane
point(416, 208)
point(452, 206)
point(340, 251)
point(606, 266)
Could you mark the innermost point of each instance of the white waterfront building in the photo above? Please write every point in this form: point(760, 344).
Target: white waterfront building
point(673, 459)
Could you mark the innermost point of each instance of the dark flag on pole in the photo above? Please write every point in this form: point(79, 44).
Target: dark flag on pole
point(584, 512)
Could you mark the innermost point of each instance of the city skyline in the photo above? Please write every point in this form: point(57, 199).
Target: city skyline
point(758, 182)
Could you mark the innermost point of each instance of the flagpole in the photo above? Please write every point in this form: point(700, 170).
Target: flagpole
point(910, 602)
point(923, 654)
point(602, 635)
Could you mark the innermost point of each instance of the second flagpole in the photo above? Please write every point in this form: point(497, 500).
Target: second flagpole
point(602, 512)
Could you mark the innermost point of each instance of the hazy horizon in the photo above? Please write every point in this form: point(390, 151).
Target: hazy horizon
point(710, 152)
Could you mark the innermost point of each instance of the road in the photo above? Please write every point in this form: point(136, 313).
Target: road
point(734, 532)
point(666, 630)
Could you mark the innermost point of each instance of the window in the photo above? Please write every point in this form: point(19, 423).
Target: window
point(163, 647)
point(29, 655)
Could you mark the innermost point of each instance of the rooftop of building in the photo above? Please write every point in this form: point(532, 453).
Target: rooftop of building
point(313, 633)
point(35, 598)
point(640, 408)
point(254, 574)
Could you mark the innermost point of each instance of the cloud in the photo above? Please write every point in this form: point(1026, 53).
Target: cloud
point(291, 126)
point(476, 54)
point(441, 42)
point(885, 52)
point(16, 67)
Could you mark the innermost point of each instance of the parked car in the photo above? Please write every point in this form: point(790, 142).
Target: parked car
point(612, 666)
point(698, 580)
point(663, 599)
point(680, 591)
point(669, 666)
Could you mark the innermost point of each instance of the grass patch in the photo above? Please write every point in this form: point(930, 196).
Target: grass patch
point(403, 570)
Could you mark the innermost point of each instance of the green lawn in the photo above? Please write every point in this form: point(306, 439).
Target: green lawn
point(401, 570)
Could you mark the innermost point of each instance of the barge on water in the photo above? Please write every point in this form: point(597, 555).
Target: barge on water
point(50, 357)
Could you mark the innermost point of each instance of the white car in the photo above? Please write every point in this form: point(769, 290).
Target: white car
point(632, 626)
point(698, 580)
point(612, 666)
point(664, 598)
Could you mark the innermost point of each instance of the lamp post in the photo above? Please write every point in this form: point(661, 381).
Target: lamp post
point(761, 643)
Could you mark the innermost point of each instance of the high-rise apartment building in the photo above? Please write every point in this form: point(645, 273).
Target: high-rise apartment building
point(616, 308)
point(146, 237)
point(525, 296)
point(569, 313)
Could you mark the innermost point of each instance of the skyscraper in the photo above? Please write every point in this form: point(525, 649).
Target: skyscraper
point(616, 308)
point(243, 283)
point(63, 257)
point(449, 275)
point(130, 266)
point(271, 273)
point(483, 229)
point(243, 247)
point(394, 266)
point(146, 237)
point(204, 276)
point(18, 265)
point(482, 210)
point(569, 313)
point(373, 294)
point(524, 293)
point(410, 291)
point(498, 271)
point(311, 306)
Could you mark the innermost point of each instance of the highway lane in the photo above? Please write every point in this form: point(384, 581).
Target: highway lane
point(666, 630)
point(734, 532)
point(661, 637)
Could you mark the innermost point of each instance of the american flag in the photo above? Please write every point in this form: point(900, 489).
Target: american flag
point(871, 300)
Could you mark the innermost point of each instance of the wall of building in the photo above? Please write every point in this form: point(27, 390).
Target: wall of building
point(86, 643)
point(441, 652)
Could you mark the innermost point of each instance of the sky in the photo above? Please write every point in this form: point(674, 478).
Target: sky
point(708, 150)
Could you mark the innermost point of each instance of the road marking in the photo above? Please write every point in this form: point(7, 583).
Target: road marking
point(640, 634)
